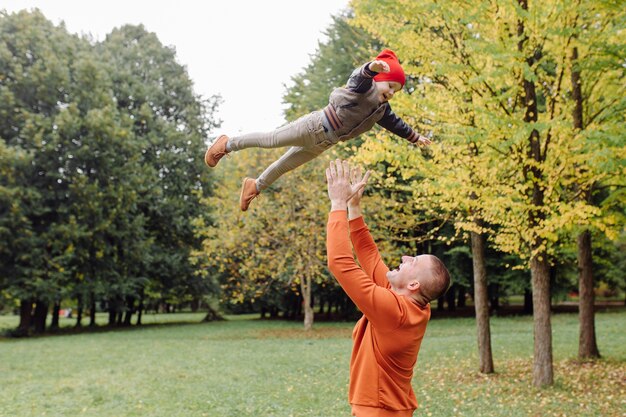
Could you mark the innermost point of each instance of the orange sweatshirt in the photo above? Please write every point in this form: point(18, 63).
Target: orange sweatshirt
point(387, 338)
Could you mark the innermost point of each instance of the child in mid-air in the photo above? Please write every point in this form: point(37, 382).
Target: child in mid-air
point(352, 110)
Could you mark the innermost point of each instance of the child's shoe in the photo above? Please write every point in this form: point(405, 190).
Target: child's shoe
point(248, 193)
point(216, 151)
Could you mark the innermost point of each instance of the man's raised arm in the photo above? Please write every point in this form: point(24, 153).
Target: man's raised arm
point(377, 303)
point(364, 246)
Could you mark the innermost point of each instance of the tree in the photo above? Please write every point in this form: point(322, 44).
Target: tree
point(448, 183)
point(492, 77)
point(595, 62)
point(170, 123)
point(34, 85)
point(100, 144)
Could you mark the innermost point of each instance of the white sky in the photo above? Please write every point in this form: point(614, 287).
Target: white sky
point(244, 50)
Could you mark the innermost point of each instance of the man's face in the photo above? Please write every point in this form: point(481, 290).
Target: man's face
point(406, 272)
point(387, 89)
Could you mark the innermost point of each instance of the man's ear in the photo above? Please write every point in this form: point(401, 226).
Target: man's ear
point(413, 286)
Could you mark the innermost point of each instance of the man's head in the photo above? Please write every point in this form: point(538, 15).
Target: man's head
point(422, 277)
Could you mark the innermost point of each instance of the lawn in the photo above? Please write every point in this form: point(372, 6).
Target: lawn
point(248, 367)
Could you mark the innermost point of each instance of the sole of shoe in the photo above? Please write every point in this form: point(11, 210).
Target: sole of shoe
point(209, 163)
point(243, 188)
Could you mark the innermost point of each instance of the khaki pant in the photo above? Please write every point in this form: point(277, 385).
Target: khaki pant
point(306, 136)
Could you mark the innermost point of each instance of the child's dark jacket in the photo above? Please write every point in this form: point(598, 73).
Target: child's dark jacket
point(355, 109)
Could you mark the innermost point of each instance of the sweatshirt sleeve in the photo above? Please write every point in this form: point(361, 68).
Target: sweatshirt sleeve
point(367, 252)
point(361, 78)
point(380, 305)
point(397, 126)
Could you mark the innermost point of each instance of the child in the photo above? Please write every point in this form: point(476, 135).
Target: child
point(352, 110)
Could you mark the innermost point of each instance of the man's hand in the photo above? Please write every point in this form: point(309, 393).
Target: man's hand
point(340, 188)
point(356, 178)
point(379, 66)
point(354, 204)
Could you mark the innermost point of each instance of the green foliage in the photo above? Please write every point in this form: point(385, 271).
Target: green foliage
point(100, 146)
point(471, 65)
point(169, 122)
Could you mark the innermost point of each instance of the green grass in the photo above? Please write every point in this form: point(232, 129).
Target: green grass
point(245, 367)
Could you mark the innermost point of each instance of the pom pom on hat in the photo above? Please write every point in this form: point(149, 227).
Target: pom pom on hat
point(396, 73)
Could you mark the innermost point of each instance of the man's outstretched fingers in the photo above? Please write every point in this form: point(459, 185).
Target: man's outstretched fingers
point(346, 170)
point(362, 183)
point(333, 169)
point(329, 177)
point(354, 174)
point(339, 168)
point(366, 177)
point(355, 192)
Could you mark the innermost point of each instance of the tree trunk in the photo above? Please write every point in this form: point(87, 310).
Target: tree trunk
point(481, 303)
point(54, 325)
point(587, 346)
point(528, 301)
point(493, 292)
point(140, 308)
point(26, 316)
point(305, 287)
point(41, 314)
point(92, 312)
point(130, 310)
point(79, 311)
point(112, 315)
point(460, 299)
point(128, 315)
point(540, 275)
point(213, 315)
point(451, 298)
point(440, 303)
point(539, 266)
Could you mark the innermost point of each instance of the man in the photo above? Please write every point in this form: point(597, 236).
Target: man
point(395, 304)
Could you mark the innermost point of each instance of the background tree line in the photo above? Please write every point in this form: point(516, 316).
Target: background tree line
point(100, 172)
point(527, 101)
point(523, 192)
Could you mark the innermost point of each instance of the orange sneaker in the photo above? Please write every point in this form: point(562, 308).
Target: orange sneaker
point(248, 193)
point(216, 151)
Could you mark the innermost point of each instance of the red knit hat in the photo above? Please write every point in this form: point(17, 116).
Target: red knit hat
point(396, 73)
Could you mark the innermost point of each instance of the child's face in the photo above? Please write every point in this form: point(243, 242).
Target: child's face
point(387, 89)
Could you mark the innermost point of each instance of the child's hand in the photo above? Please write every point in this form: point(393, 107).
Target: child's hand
point(423, 141)
point(379, 66)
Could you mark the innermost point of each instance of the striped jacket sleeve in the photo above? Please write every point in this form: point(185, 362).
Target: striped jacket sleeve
point(397, 126)
point(361, 78)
